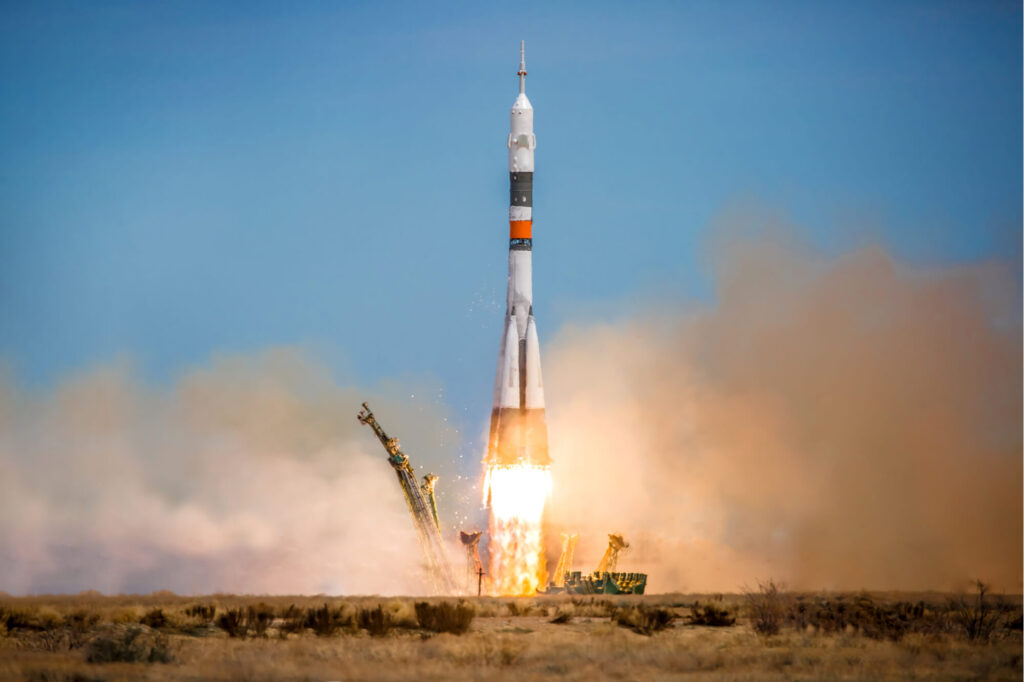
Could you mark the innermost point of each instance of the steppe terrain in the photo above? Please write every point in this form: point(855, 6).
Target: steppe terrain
point(764, 635)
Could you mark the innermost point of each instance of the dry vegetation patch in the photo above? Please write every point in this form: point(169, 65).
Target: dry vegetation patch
point(644, 620)
point(710, 614)
point(128, 644)
point(819, 636)
point(326, 620)
point(444, 616)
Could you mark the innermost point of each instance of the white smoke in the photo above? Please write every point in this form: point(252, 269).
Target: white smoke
point(250, 475)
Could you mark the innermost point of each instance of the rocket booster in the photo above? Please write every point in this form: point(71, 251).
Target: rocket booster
point(518, 433)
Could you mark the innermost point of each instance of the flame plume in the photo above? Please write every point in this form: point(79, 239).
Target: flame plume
point(517, 496)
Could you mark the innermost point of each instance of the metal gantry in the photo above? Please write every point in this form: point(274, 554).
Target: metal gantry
point(420, 498)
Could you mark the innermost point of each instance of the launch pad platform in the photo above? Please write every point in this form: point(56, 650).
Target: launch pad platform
point(600, 583)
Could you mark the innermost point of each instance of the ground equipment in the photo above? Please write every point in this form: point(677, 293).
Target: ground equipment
point(605, 580)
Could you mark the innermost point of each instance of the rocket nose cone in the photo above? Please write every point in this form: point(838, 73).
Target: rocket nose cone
point(522, 103)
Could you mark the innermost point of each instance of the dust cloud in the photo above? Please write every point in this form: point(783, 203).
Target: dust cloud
point(249, 475)
point(832, 422)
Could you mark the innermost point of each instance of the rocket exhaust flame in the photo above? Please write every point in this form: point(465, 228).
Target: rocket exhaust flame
point(517, 496)
point(517, 480)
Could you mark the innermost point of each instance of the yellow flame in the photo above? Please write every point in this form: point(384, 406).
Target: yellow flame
point(517, 495)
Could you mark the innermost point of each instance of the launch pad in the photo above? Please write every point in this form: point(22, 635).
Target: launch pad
point(601, 583)
point(604, 580)
point(423, 507)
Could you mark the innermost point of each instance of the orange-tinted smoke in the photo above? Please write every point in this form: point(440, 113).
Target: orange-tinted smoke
point(848, 422)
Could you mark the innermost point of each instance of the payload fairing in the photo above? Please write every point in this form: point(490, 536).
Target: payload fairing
point(518, 433)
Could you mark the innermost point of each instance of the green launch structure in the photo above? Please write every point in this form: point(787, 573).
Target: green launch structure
point(605, 580)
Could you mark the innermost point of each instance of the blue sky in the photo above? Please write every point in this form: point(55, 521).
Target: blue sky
point(182, 179)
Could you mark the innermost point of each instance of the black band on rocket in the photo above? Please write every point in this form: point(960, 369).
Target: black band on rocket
point(520, 189)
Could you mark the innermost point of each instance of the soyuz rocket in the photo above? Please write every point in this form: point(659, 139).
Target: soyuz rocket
point(518, 433)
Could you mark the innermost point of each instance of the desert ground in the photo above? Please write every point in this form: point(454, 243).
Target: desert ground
point(765, 634)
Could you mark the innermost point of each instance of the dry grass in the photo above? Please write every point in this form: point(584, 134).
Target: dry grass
point(444, 617)
point(711, 614)
point(643, 619)
point(816, 639)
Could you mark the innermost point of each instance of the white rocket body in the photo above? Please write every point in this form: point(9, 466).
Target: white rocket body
point(518, 432)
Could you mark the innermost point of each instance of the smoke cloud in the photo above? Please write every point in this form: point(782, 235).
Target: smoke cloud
point(250, 475)
point(848, 422)
point(832, 422)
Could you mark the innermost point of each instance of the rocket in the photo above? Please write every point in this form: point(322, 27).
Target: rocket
point(518, 433)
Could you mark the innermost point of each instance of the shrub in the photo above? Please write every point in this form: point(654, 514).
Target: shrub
point(131, 644)
point(976, 618)
point(204, 612)
point(562, 617)
point(20, 619)
point(239, 622)
point(880, 622)
point(125, 615)
point(293, 620)
point(444, 617)
point(402, 613)
point(644, 620)
point(260, 617)
point(326, 621)
point(155, 618)
point(767, 608)
point(375, 621)
point(79, 624)
point(710, 615)
point(827, 615)
point(873, 620)
point(234, 622)
point(44, 627)
point(593, 606)
point(54, 639)
point(31, 619)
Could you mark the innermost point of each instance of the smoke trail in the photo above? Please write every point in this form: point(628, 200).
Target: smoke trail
point(835, 423)
point(250, 475)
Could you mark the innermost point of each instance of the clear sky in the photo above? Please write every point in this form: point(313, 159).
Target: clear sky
point(182, 179)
